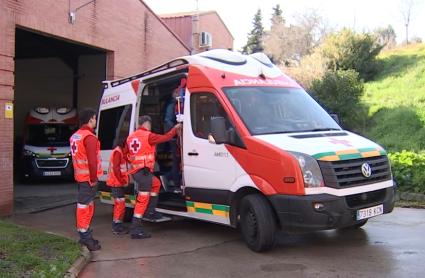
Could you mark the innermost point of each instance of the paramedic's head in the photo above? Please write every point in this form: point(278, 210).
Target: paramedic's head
point(88, 117)
point(145, 121)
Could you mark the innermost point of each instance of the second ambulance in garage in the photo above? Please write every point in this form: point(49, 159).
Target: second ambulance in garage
point(257, 151)
point(46, 151)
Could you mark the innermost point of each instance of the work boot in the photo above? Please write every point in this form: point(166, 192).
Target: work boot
point(136, 229)
point(151, 214)
point(118, 228)
point(87, 239)
point(156, 217)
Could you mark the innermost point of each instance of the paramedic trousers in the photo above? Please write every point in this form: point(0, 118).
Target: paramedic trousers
point(85, 206)
point(148, 187)
point(119, 204)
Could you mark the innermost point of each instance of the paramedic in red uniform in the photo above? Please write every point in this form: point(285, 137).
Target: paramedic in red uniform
point(141, 148)
point(117, 180)
point(85, 151)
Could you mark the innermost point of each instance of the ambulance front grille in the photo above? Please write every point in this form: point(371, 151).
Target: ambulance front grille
point(348, 173)
point(52, 163)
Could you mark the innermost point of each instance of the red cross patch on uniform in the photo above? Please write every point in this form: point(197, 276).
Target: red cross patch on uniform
point(135, 145)
point(74, 148)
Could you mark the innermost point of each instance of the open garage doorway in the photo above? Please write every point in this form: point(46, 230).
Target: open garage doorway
point(52, 77)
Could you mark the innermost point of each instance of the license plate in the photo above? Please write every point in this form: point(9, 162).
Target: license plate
point(52, 173)
point(370, 212)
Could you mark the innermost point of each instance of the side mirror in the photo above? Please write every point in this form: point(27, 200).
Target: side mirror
point(218, 131)
point(335, 117)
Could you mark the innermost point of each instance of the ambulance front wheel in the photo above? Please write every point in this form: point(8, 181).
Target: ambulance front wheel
point(257, 223)
point(128, 215)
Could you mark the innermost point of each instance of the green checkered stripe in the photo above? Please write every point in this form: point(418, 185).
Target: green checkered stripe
point(212, 209)
point(107, 196)
point(349, 154)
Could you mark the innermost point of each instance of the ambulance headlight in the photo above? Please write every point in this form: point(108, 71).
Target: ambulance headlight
point(28, 153)
point(310, 170)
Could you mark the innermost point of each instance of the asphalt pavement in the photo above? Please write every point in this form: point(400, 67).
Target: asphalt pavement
point(36, 196)
point(391, 245)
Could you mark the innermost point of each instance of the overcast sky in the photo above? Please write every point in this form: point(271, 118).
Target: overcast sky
point(363, 15)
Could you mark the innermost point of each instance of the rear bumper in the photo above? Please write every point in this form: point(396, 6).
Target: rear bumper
point(297, 213)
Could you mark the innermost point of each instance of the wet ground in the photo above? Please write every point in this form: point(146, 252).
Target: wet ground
point(35, 196)
point(391, 245)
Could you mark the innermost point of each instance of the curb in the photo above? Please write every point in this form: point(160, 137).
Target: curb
point(407, 196)
point(79, 264)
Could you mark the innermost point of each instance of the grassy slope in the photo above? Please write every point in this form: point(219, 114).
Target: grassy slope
point(28, 253)
point(396, 99)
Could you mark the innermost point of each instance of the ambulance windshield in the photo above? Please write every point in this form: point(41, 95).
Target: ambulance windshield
point(45, 135)
point(271, 110)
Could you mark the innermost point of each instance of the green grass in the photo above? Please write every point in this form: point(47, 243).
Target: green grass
point(396, 100)
point(29, 253)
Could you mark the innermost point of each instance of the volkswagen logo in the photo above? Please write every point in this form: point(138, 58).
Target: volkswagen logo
point(366, 170)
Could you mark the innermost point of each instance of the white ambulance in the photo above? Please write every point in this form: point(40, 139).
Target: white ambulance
point(257, 151)
point(46, 151)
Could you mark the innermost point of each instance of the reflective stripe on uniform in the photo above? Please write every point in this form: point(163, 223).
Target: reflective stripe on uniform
point(144, 193)
point(119, 199)
point(82, 205)
point(153, 194)
point(81, 171)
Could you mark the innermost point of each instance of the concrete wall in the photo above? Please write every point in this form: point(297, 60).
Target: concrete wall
point(131, 33)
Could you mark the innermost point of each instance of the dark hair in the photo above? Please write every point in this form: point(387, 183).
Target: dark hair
point(144, 118)
point(120, 142)
point(86, 115)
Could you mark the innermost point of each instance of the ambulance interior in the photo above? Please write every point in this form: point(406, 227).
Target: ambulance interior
point(155, 97)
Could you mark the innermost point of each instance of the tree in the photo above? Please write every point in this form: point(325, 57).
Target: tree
point(346, 50)
point(277, 16)
point(386, 37)
point(406, 7)
point(255, 37)
point(286, 45)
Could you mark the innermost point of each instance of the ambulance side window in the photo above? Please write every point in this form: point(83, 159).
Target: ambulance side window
point(203, 107)
point(114, 126)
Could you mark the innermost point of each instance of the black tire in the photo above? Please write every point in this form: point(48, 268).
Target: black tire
point(128, 215)
point(257, 223)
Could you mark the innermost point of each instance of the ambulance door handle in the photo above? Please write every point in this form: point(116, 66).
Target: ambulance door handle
point(193, 153)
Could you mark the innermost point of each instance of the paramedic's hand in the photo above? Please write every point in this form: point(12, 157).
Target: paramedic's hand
point(179, 118)
point(178, 127)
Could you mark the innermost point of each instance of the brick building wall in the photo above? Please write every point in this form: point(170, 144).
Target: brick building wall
point(212, 23)
point(184, 25)
point(128, 30)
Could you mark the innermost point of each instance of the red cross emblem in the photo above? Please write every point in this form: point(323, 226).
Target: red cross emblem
point(74, 148)
point(342, 142)
point(135, 145)
point(51, 149)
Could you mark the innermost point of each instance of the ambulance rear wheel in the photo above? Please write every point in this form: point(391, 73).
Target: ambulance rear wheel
point(128, 215)
point(257, 223)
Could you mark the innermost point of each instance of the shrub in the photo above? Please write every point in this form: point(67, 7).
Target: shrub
point(346, 50)
point(409, 170)
point(339, 92)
